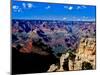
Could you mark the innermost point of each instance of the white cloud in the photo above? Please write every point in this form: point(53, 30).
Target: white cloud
point(29, 5)
point(81, 7)
point(78, 7)
point(24, 5)
point(48, 7)
point(78, 19)
point(15, 7)
point(70, 8)
point(65, 6)
point(64, 18)
point(19, 10)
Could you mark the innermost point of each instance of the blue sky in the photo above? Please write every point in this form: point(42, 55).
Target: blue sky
point(47, 11)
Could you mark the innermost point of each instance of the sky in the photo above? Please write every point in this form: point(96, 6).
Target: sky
point(52, 11)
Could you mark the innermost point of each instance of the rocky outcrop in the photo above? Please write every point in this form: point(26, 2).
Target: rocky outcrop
point(82, 59)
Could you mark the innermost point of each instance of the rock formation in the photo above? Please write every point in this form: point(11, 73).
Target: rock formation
point(82, 59)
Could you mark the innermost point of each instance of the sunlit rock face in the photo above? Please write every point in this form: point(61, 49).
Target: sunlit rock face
point(87, 46)
point(84, 57)
point(87, 50)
